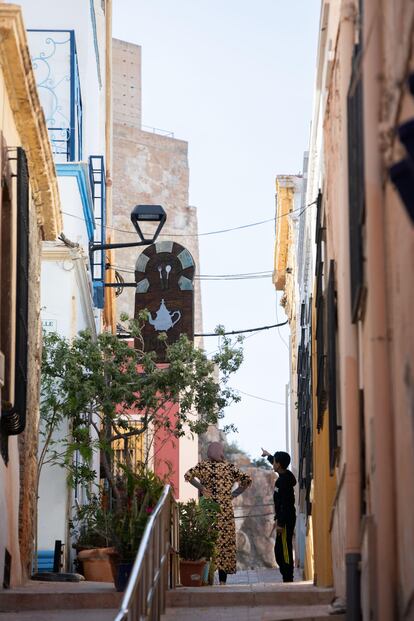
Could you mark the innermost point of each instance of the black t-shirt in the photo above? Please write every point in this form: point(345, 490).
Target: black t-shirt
point(284, 498)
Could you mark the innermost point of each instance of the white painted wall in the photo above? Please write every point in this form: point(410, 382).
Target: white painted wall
point(188, 457)
point(77, 16)
point(63, 311)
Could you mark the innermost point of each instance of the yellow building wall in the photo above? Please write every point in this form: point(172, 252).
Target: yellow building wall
point(309, 567)
point(130, 451)
point(285, 196)
point(324, 487)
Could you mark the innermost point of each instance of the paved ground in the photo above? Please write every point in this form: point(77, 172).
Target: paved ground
point(257, 589)
point(255, 613)
point(264, 575)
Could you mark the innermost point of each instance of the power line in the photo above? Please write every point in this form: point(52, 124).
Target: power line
point(239, 517)
point(219, 231)
point(278, 331)
point(276, 325)
point(242, 276)
point(247, 394)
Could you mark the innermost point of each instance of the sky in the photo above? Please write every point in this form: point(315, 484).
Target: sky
point(235, 78)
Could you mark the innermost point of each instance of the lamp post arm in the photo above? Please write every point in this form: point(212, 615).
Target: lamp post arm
point(93, 247)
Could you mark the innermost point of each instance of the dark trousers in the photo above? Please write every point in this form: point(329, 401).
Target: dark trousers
point(284, 551)
point(222, 575)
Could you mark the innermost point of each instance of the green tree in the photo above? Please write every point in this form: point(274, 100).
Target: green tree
point(92, 384)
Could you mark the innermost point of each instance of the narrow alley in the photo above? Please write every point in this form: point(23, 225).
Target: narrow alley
point(206, 294)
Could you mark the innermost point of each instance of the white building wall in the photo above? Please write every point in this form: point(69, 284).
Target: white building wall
point(64, 303)
point(188, 457)
point(90, 44)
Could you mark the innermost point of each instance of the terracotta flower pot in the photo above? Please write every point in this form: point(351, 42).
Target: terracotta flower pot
point(191, 572)
point(97, 565)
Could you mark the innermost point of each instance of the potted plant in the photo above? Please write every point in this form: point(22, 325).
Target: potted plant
point(109, 534)
point(138, 494)
point(198, 535)
point(95, 552)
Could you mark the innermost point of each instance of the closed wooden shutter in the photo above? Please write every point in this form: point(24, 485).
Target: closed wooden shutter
point(304, 371)
point(331, 360)
point(320, 317)
point(13, 421)
point(356, 183)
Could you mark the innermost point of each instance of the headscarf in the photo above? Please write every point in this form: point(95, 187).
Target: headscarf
point(215, 451)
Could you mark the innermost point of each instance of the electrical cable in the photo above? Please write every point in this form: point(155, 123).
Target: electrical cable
point(239, 517)
point(120, 280)
point(247, 394)
point(224, 277)
point(276, 325)
point(234, 228)
point(234, 331)
point(280, 335)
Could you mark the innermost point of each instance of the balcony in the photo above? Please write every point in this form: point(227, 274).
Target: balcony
point(55, 65)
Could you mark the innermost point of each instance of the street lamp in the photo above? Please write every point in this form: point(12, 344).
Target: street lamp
point(139, 215)
point(150, 215)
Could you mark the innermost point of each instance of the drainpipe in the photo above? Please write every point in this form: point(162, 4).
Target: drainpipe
point(109, 312)
point(377, 372)
point(108, 108)
point(348, 344)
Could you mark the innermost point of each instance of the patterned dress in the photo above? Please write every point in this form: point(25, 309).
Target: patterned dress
point(218, 477)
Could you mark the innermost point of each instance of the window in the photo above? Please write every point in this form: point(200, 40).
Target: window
point(304, 371)
point(356, 183)
point(331, 360)
point(320, 316)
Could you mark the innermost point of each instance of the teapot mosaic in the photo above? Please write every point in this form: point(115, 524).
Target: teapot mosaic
point(164, 319)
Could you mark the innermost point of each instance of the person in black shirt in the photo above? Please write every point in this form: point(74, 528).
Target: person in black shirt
point(285, 512)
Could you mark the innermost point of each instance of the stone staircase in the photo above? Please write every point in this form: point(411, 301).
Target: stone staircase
point(66, 601)
point(253, 602)
point(97, 601)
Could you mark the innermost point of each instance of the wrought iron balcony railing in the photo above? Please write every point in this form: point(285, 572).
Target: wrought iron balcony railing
point(55, 64)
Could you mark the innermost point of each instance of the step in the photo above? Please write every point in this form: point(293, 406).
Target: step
point(91, 614)
point(60, 596)
point(299, 594)
point(248, 613)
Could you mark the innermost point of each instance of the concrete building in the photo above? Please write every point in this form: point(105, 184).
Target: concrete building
point(359, 171)
point(30, 213)
point(150, 167)
point(71, 64)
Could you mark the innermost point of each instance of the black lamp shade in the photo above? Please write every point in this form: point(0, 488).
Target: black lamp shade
point(402, 176)
point(148, 213)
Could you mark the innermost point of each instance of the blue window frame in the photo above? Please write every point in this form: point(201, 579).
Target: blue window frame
point(55, 65)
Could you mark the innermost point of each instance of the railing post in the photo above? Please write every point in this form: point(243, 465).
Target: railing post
point(157, 558)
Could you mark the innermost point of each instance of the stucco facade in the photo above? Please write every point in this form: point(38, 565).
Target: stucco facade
point(363, 299)
point(68, 44)
point(22, 126)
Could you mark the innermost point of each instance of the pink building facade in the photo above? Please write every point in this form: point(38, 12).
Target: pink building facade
point(366, 253)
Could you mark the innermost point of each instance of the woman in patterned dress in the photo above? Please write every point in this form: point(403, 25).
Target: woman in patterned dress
point(214, 478)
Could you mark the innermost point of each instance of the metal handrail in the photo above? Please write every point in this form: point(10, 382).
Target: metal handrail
point(156, 565)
